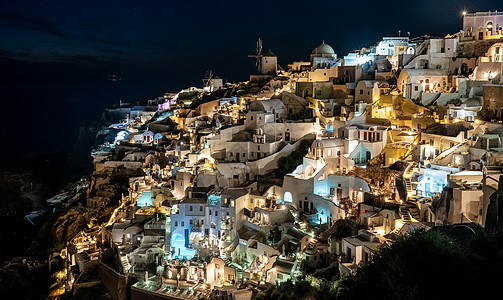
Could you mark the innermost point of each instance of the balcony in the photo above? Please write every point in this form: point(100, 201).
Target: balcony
point(194, 228)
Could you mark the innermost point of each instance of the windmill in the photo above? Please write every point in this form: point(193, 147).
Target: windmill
point(258, 63)
point(207, 80)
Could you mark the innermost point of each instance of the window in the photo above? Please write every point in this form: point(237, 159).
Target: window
point(416, 88)
point(183, 223)
point(200, 208)
point(361, 92)
point(191, 222)
point(210, 212)
point(235, 176)
point(216, 213)
point(191, 208)
point(176, 223)
point(251, 118)
point(258, 148)
point(280, 276)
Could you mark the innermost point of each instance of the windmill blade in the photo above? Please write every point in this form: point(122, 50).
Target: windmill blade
point(207, 79)
point(259, 53)
point(259, 46)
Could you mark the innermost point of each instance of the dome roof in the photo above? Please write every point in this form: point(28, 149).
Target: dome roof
point(323, 49)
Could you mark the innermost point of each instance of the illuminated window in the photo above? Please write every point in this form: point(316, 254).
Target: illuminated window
point(288, 197)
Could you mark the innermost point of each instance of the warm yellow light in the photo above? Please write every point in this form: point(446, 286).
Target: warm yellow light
point(464, 13)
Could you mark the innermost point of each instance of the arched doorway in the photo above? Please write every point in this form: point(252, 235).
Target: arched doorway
point(288, 197)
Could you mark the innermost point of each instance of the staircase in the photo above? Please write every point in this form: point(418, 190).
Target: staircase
point(411, 192)
point(410, 212)
point(414, 212)
point(311, 244)
point(225, 257)
point(404, 213)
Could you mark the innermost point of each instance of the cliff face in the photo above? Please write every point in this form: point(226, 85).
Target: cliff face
point(69, 224)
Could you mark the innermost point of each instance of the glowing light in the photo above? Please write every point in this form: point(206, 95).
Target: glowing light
point(464, 12)
point(288, 197)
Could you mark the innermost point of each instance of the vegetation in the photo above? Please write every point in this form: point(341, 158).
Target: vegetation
point(426, 265)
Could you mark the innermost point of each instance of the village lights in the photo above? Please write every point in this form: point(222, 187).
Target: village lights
point(464, 12)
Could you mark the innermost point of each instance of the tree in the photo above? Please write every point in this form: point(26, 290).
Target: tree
point(426, 265)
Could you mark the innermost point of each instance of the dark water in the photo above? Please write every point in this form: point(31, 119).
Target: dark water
point(44, 118)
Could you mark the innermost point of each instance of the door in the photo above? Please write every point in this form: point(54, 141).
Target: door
point(339, 194)
point(287, 136)
point(368, 156)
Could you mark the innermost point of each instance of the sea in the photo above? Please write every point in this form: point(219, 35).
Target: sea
point(45, 118)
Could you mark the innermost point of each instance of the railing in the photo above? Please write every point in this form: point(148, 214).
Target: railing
point(484, 14)
point(196, 229)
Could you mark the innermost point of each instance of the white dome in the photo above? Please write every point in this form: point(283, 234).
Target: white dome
point(323, 49)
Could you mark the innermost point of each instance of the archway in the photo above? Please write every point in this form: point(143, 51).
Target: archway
point(288, 197)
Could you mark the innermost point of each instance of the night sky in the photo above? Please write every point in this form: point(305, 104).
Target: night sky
point(59, 52)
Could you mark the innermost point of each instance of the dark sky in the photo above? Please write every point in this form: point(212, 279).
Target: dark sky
point(181, 40)
point(55, 55)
